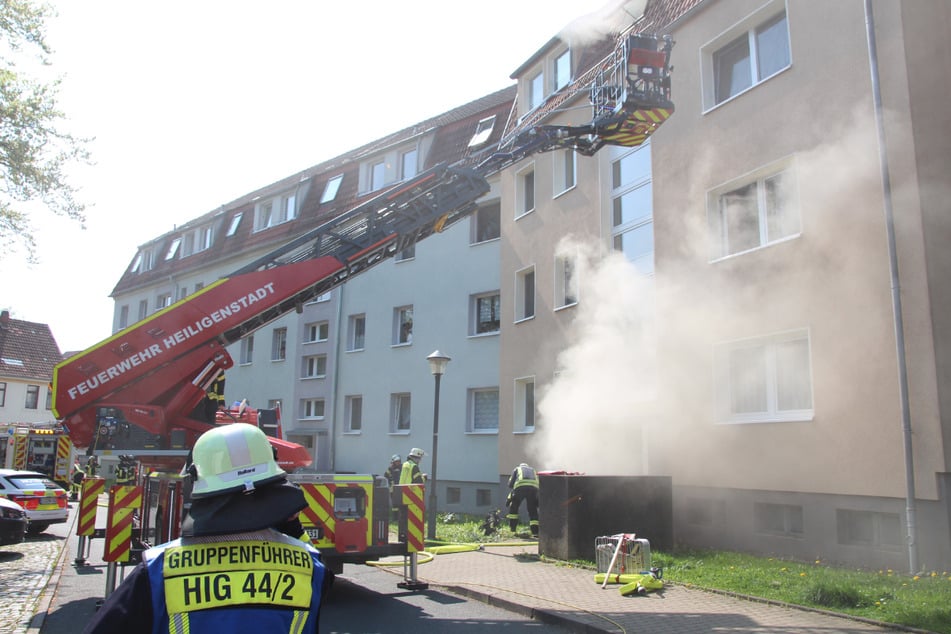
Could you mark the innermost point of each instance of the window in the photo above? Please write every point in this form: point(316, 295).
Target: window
point(753, 214)
point(483, 410)
point(453, 495)
point(525, 191)
point(3, 394)
point(486, 223)
point(143, 261)
point(356, 332)
point(483, 497)
point(279, 344)
point(49, 399)
point(767, 379)
point(318, 331)
point(746, 55)
point(565, 172)
point(403, 325)
point(525, 294)
point(377, 175)
point(274, 211)
point(123, 316)
point(205, 236)
point(566, 282)
point(264, 215)
point(288, 208)
point(778, 519)
point(536, 90)
point(314, 366)
point(247, 349)
point(162, 301)
point(331, 189)
point(562, 70)
point(408, 163)
point(32, 397)
point(869, 528)
point(182, 292)
point(353, 413)
point(484, 311)
point(525, 404)
point(143, 309)
point(173, 248)
point(312, 408)
point(399, 413)
point(632, 203)
point(483, 131)
point(233, 227)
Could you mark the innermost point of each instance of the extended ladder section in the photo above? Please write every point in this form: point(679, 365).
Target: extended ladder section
point(141, 387)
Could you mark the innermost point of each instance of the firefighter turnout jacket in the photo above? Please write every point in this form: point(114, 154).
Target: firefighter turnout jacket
point(411, 473)
point(259, 581)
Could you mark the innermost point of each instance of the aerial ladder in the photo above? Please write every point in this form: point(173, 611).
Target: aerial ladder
point(145, 383)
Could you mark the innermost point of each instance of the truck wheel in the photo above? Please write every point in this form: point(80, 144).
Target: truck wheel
point(36, 528)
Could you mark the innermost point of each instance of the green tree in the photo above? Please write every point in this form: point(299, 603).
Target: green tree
point(33, 151)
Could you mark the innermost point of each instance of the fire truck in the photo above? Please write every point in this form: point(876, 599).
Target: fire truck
point(44, 447)
point(136, 393)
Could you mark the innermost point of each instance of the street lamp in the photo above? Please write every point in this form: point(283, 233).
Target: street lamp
point(437, 365)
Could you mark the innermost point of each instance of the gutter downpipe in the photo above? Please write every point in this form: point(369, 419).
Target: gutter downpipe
point(910, 512)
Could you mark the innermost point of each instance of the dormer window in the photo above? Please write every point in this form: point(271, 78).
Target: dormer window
point(173, 248)
point(274, 211)
point(483, 131)
point(143, 261)
point(536, 90)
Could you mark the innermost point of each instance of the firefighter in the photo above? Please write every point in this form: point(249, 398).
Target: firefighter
point(410, 473)
point(230, 571)
point(524, 486)
point(393, 475)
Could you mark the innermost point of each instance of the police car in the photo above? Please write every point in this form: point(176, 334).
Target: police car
point(43, 500)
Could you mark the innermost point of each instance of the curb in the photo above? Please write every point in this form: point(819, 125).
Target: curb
point(46, 596)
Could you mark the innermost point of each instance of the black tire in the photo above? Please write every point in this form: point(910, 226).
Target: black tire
point(36, 528)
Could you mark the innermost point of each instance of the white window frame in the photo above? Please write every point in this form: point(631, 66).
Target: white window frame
point(409, 163)
point(561, 64)
point(526, 194)
point(566, 280)
point(318, 331)
point(376, 175)
point(313, 366)
point(279, 344)
point(173, 249)
point(164, 300)
point(535, 90)
point(565, 174)
point(523, 420)
point(401, 413)
point(772, 228)
point(403, 325)
point(313, 409)
point(770, 376)
point(483, 131)
point(356, 332)
point(233, 226)
point(475, 398)
point(631, 183)
point(247, 350)
point(524, 295)
point(353, 414)
point(32, 400)
point(747, 29)
point(486, 223)
point(331, 189)
point(475, 301)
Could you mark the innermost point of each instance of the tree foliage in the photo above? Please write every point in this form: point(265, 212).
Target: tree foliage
point(33, 151)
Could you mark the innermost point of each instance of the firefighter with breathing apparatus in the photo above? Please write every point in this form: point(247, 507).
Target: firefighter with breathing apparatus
point(231, 571)
point(410, 473)
point(524, 486)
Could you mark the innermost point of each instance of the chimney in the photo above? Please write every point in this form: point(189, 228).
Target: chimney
point(5, 317)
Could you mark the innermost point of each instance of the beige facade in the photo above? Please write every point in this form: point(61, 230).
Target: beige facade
point(757, 366)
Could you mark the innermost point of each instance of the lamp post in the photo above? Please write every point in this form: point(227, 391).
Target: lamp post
point(437, 365)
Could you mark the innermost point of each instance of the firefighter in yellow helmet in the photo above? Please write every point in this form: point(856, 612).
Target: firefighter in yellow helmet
point(411, 473)
point(230, 571)
point(524, 486)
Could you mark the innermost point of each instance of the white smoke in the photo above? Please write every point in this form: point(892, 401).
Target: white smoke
point(595, 403)
point(605, 22)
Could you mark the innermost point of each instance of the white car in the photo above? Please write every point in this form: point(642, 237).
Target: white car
point(44, 501)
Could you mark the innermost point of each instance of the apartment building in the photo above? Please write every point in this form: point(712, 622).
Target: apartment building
point(749, 350)
point(312, 363)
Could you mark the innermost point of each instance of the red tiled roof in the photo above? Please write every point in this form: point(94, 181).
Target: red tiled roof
point(27, 349)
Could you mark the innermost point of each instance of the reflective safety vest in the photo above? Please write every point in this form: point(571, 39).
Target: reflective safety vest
point(525, 477)
point(411, 473)
point(256, 582)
